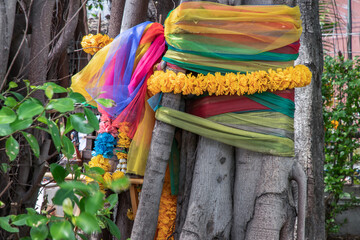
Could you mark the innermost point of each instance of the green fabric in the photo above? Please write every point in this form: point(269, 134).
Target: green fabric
point(265, 56)
point(274, 102)
point(257, 142)
point(174, 167)
point(265, 122)
point(198, 68)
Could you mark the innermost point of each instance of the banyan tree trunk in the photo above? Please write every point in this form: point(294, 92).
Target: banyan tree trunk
point(260, 203)
point(209, 212)
point(147, 215)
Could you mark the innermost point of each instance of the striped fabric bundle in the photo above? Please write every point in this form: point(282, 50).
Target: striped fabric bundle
point(209, 37)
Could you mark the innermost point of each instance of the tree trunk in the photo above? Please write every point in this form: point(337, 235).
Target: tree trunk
point(159, 154)
point(68, 33)
point(209, 213)
point(187, 163)
point(134, 13)
point(7, 18)
point(122, 221)
point(116, 16)
point(41, 18)
point(263, 205)
point(309, 128)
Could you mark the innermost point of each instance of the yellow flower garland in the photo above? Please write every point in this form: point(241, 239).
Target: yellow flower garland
point(167, 211)
point(230, 83)
point(93, 43)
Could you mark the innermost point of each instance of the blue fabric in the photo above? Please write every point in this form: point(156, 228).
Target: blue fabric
point(120, 58)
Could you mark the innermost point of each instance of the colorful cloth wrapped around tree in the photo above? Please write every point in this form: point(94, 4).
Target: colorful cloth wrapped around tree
point(208, 37)
point(119, 72)
point(253, 111)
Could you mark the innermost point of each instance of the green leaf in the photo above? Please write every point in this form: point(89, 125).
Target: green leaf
point(94, 203)
point(4, 167)
point(68, 206)
point(114, 230)
point(49, 92)
point(68, 126)
point(94, 122)
point(68, 147)
point(33, 143)
point(87, 222)
point(35, 219)
point(4, 224)
point(106, 102)
point(62, 230)
point(5, 130)
point(2, 204)
point(20, 220)
point(77, 97)
point(61, 194)
point(62, 105)
point(83, 236)
point(59, 173)
point(56, 88)
point(112, 199)
point(80, 124)
point(97, 170)
point(10, 102)
point(7, 115)
point(12, 85)
point(21, 124)
point(55, 134)
point(17, 95)
point(43, 129)
point(29, 108)
point(12, 148)
point(39, 232)
point(42, 119)
point(75, 185)
point(119, 185)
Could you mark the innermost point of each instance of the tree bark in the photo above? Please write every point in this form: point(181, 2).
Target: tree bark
point(68, 33)
point(187, 163)
point(148, 210)
point(122, 221)
point(41, 18)
point(263, 203)
point(116, 15)
point(7, 19)
point(209, 213)
point(134, 13)
point(309, 128)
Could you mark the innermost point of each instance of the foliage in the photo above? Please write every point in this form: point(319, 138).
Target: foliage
point(21, 114)
point(94, 214)
point(20, 117)
point(341, 97)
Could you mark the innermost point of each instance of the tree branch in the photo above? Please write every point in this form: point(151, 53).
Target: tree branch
point(67, 31)
point(21, 3)
point(55, 37)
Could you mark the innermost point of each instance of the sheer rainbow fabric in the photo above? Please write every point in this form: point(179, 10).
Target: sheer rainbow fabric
point(209, 37)
point(120, 70)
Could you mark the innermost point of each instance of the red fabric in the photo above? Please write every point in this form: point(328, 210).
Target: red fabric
point(214, 105)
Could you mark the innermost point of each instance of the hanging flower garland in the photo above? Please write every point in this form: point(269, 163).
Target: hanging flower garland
point(230, 83)
point(93, 43)
point(167, 211)
point(103, 150)
point(123, 143)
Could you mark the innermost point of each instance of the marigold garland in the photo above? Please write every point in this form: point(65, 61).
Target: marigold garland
point(93, 43)
point(167, 211)
point(230, 83)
